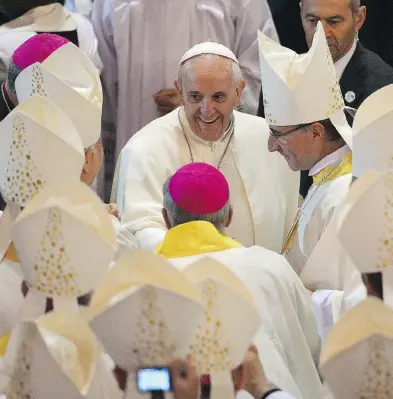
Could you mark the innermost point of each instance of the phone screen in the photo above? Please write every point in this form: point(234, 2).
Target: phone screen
point(154, 379)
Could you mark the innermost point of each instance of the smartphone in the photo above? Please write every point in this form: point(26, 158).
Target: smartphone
point(152, 379)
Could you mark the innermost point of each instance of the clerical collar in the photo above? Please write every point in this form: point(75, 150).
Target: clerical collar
point(188, 131)
point(342, 63)
point(329, 160)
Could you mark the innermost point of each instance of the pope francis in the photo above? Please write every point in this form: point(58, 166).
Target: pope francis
point(198, 211)
point(207, 129)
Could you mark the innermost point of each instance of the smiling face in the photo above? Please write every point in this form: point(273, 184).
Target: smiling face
point(210, 94)
point(340, 19)
point(301, 146)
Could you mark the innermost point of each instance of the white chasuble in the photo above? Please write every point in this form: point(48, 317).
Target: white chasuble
point(263, 189)
point(287, 336)
point(332, 178)
point(331, 184)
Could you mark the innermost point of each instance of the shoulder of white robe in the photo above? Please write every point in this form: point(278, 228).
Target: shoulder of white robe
point(87, 39)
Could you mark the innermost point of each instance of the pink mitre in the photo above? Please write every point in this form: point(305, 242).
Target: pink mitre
point(199, 188)
point(37, 49)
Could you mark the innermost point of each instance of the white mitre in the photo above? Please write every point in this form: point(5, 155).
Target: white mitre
point(58, 356)
point(357, 358)
point(300, 89)
point(70, 80)
point(208, 48)
point(372, 133)
point(366, 231)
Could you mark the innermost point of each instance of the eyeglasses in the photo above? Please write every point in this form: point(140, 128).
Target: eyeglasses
point(278, 135)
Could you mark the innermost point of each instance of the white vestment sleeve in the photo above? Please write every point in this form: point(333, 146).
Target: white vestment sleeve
point(327, 307)
point(87, 39)
point(149, 239)
point(125, 241)
point(253, 17)
point(143, 198)
point(102, 23)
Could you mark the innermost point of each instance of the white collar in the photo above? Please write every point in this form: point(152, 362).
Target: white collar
point(329, 160)
point(342, 63)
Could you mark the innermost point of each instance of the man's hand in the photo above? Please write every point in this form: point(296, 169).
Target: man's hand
point(113, 210)
point(256, 383)
point(167, 100)
point(185, 379)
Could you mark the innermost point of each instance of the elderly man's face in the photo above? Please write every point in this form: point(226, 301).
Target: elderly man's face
point(210, 95)
point(339, 21)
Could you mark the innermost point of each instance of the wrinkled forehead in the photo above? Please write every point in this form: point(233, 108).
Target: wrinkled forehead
point(326, 8)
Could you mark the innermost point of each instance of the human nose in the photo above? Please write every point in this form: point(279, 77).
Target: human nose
point(272, 144)
point(207, 107)
point(327, 29)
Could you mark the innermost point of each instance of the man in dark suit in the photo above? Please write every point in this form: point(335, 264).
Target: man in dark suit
point(360, 71)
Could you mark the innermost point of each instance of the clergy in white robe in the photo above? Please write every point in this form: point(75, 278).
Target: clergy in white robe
point(198, 213)
point(44, 16)
point(311, 135)
point(206, 129)
point(141, 42)
point(372, 151)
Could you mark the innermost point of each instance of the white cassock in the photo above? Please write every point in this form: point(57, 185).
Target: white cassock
point(287, 341)
point(264, 192)
point(52, 18)
point(125, 241)
point(317, 212)
point(142, 41)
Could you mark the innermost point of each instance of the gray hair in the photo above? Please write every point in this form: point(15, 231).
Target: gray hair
point(185, 68)
point(177, 215)
point(354, 5)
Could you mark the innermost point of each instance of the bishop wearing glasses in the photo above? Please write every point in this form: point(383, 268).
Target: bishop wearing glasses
point(305, 111)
